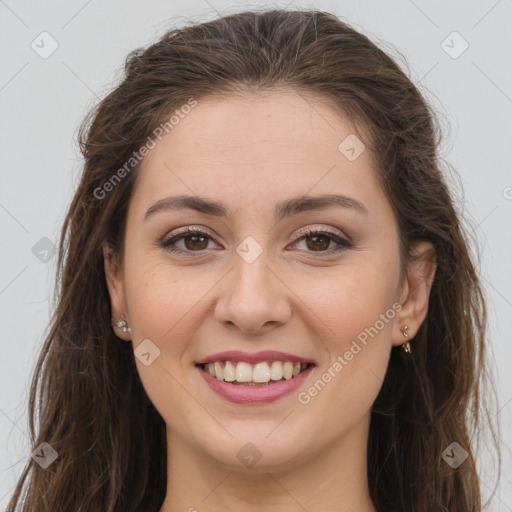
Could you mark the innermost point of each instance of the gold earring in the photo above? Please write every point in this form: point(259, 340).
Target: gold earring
point(406, 347)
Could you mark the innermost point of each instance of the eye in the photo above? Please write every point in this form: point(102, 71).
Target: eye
point(194, 240)
point(319, 240)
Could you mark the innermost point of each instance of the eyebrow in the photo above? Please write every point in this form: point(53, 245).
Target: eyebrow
point(284, 209)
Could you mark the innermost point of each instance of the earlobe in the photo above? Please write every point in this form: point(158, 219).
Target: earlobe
point(416, 290)
point(113, 276)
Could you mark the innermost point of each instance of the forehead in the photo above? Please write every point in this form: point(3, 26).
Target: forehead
point(274, 119)
point(257, 146)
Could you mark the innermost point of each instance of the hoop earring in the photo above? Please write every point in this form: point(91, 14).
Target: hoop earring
point(406, 346)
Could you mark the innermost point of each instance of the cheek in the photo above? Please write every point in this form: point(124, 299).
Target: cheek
point(162, 297)
point(349, 299)
point(353, 314)
point(163, 306)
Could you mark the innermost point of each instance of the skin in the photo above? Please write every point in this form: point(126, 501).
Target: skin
point(250, 152)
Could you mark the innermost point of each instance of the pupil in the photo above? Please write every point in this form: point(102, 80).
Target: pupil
point(316, 245)
point(194, 238)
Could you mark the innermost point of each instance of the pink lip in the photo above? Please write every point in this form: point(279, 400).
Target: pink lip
point(254, 394)
point(265, 355)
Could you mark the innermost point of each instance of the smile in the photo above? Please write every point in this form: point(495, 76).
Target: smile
point(254, 384)
point(262, 373)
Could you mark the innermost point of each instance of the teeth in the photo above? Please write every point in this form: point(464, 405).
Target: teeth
point(219, 371)
point(276, 372)
point(264, 372)
point(229, 371)
point(243, 372)
point(261, 372)
point(287, 370)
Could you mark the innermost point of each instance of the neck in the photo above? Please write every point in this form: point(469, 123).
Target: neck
point(334, 479)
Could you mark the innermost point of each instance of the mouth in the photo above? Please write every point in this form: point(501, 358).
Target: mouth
point(261, 374)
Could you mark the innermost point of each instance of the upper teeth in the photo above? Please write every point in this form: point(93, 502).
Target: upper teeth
point(260, 372)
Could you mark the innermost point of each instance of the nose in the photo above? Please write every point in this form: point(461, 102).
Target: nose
point(253, 299)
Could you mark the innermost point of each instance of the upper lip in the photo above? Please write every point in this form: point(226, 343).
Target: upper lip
point(255, 357)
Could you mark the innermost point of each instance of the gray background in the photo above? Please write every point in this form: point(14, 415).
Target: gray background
point(43, 100)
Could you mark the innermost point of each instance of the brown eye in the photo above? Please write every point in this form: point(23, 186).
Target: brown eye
point(320, 242)
point(195, 242)
point(187, 241)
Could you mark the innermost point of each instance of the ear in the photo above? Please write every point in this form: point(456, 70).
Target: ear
point(115, 285)
point(415, 292)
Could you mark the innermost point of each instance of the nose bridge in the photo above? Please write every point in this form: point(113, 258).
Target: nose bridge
point(253, 296)
point(251, 276)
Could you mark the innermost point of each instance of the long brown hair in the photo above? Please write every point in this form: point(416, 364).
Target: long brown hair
point(92, 408)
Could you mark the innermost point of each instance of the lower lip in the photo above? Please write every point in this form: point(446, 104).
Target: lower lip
point(241, 394)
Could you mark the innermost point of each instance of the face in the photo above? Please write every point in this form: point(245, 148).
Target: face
point(318, 282)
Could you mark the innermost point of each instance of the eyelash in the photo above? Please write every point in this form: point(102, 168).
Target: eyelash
point(305, 233)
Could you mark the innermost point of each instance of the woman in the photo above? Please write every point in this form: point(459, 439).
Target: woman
point(262, 220)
